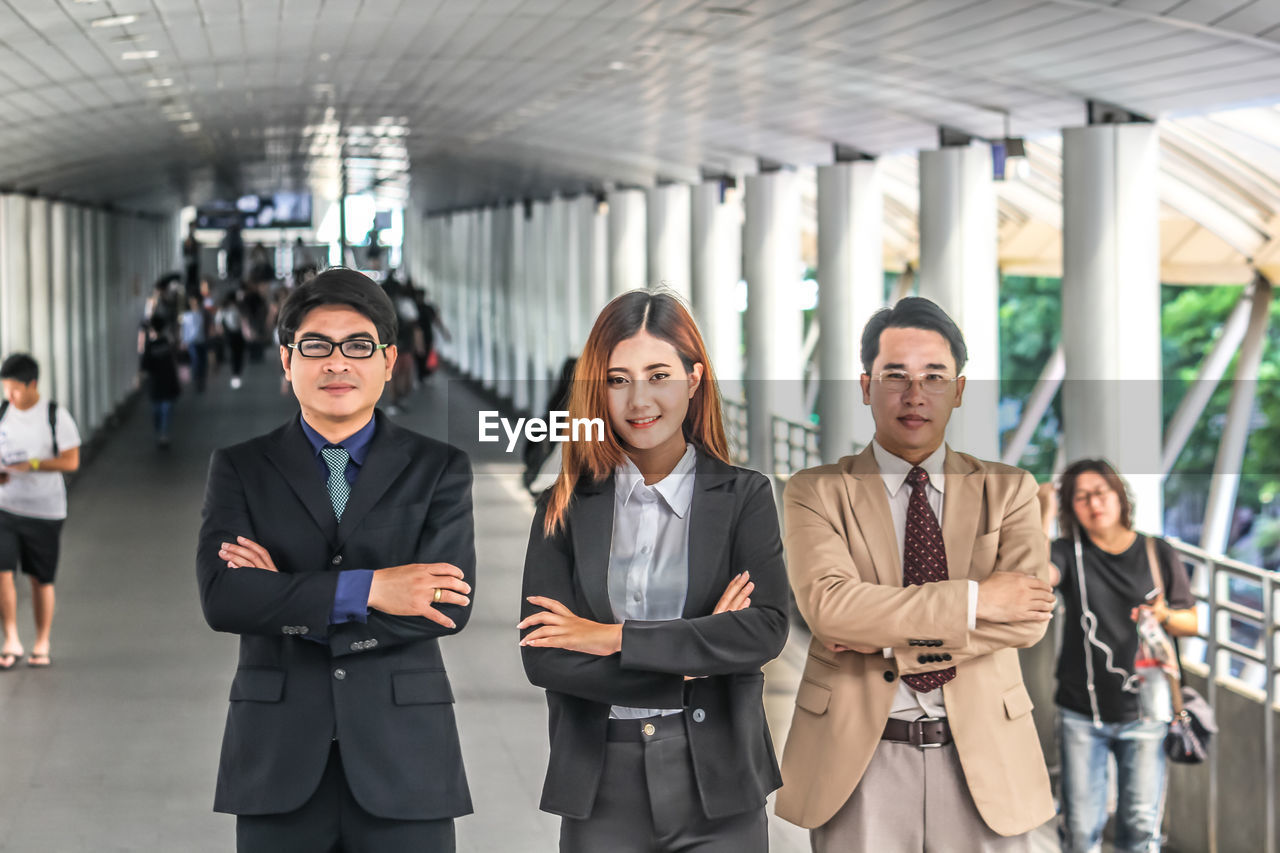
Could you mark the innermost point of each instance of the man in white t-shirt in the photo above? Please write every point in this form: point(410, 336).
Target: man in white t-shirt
point(38, 443)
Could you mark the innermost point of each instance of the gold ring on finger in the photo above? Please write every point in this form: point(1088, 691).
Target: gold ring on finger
point(436, 598)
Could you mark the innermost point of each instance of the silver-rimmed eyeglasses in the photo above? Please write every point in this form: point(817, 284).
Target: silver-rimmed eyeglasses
point(351, 348)
point(898, 381)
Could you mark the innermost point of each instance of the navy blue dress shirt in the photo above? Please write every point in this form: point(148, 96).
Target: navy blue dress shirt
point(351, 601)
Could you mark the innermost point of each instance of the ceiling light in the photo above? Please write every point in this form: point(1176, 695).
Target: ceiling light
point(1009, 158)
point(160, 83)
point(113, 21)
point(185, 116)
point(190, 127)
point(618, 65)
point(729, 10)
point(139, 54)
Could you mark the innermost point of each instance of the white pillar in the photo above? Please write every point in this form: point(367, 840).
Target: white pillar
point(76, 274)
point(60, 301)
point(15, 277)
point(573, 226)
point(1111, 304)
point(519, 303)
point(95, 304)
point(538, 296)
point(716, 271)
point(958, 272)
point(850, 290)
point(489, 298)
point(669, 237)
point(774, 341)
point(41, 296)
point(555, 257)
point(501, 272)
point(595, 264)
point(627, 264)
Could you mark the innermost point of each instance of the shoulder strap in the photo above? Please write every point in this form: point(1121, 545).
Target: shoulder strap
point(1154, 563)
point(4, 407)
point(53, 425)
point(1175, 680)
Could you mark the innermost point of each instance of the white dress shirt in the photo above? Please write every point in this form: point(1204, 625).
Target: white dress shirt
point(649, 553)
point(907, 703)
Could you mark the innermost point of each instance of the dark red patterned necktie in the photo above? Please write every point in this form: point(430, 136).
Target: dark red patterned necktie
point(924, 560)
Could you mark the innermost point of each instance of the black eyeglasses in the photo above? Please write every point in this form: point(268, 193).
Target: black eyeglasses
point(351, 348)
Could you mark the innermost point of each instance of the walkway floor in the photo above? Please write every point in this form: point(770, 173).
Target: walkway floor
point(115, 747)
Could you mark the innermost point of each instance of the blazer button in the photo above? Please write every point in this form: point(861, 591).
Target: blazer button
point(287, 629)
point(888, 676)
point(339, 674)
point(371, 642)
point(922, 658)
point(357, 646)
point(946, 656)
point(302, 629)
point(699, 715)
point(337, 561)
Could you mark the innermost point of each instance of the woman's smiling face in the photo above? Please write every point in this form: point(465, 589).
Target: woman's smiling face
point(649, 393)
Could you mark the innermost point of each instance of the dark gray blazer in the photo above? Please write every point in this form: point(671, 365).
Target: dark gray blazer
point(733, 526)
point(379, 687)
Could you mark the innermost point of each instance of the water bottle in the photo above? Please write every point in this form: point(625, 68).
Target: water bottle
point(1155, 702)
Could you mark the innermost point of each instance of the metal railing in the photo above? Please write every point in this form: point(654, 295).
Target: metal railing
point(1226, 591)
point(794, 447)
point(735, 427)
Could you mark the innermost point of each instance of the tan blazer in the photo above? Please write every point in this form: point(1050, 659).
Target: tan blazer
point(842, 556)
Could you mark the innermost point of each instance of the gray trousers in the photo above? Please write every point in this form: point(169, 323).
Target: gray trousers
point(648, 803)
point(912, 800)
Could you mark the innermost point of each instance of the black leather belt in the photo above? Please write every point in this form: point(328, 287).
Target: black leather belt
point(649, 728)
point(924, 733)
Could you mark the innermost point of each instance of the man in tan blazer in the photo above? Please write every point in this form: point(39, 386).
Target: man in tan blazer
point(920, 571)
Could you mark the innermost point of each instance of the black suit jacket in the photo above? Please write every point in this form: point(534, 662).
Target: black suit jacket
point(379, 687)
point(733, 526)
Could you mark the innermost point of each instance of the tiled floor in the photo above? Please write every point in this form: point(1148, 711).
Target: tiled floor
point(115, 746)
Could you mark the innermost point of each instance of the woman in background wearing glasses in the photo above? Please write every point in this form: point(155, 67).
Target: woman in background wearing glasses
point(654, 591)
point(1101, 568)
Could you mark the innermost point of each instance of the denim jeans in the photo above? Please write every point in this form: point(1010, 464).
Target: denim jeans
point(161, 416)
point(1140, 764)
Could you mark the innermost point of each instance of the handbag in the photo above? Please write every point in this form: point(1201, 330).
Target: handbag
point(1187, 741)
point(1193, 724)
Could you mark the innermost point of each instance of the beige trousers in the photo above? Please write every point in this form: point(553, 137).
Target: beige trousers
point(912, 800)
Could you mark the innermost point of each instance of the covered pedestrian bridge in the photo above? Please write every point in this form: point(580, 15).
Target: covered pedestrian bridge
point(787, 166)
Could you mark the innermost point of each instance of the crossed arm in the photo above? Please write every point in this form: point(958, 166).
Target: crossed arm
point(243, 591)
point(644, 664)
point(848, 613)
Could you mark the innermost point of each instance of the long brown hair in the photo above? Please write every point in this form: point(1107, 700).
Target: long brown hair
point(662, 315)
point(1067, 521)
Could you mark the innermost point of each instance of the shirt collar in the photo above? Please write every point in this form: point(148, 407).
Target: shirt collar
point(894, 469)
point(675, 489)
point(356, 445)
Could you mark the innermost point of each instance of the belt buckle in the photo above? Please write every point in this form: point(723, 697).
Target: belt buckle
point(915, 730)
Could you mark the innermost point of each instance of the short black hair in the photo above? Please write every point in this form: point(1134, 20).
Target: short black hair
point(21, 368)
point(339, 286)
point(912, 312)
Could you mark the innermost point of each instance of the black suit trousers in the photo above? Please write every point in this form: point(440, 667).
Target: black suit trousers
point(333, 822)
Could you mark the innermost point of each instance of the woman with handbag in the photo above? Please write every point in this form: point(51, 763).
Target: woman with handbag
point(1109, 576)
point(654, 591)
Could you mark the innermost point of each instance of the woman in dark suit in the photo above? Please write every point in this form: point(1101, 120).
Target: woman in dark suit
point(654, 591)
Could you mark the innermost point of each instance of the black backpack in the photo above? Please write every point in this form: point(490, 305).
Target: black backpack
point(53, 420)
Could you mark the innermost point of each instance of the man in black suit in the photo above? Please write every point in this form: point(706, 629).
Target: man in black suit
point(340, 548)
